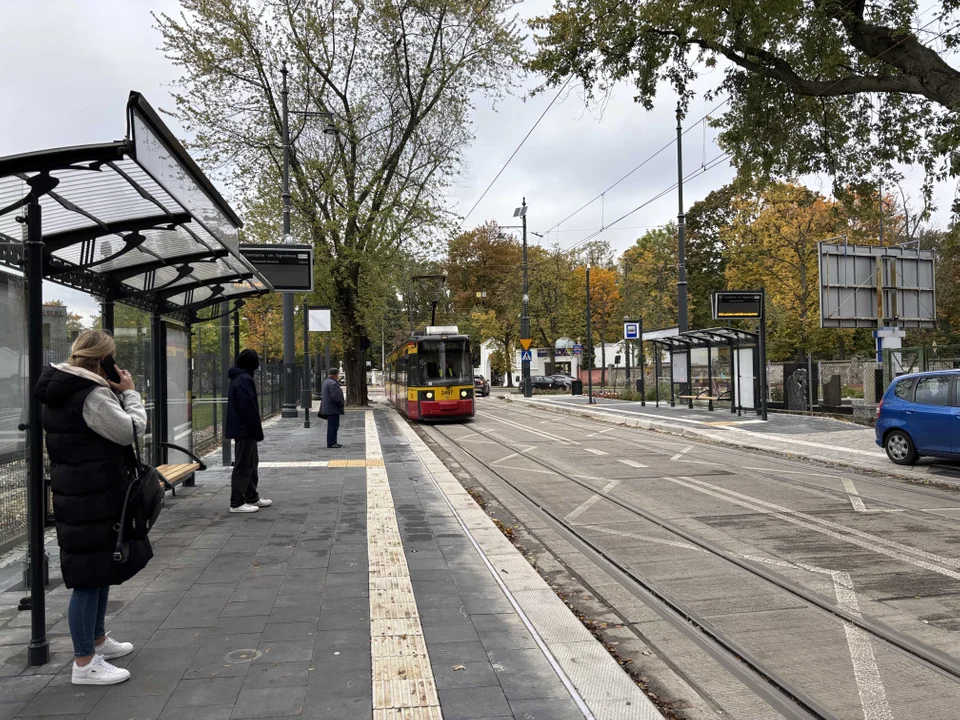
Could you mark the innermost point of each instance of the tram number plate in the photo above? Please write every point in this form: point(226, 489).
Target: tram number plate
point(445, 394)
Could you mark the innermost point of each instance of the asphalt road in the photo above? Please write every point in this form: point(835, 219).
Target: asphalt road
point(754, 586)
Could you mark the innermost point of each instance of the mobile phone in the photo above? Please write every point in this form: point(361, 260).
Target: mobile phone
point(109, 366)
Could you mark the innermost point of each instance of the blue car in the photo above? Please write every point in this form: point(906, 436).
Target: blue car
point(920, 415)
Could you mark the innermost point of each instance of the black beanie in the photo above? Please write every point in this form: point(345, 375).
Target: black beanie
point(248, 360)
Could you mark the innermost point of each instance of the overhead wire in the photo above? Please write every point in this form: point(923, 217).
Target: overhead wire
point(513, 154)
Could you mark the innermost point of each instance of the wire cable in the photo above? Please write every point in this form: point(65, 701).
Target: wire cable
point(529, 133)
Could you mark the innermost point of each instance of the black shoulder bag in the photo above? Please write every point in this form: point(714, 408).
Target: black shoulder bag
point(142, 503)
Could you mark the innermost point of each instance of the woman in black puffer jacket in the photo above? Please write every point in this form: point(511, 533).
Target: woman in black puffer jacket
point(90, 423)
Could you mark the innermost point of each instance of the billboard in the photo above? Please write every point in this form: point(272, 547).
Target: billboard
point(319, 319)
point(865, 286)
point(289, 268)
point(738, 305)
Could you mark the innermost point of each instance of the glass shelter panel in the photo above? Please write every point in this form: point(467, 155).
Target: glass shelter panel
point(179, 409)
point(13, 412)
point(134, 353)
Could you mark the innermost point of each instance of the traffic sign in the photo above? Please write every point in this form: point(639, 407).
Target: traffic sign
point(526, 355)
point(578, 349)
point(631, 330)
point(525, 343)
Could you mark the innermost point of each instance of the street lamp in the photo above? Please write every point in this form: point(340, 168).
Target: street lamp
point(521, 212)
point(289, 409)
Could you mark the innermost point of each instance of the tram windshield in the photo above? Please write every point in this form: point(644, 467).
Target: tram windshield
point(444, 362)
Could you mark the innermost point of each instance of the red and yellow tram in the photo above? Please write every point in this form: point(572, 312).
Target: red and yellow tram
point(430, 376)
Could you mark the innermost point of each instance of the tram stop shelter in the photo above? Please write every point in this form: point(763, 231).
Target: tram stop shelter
point(745, 371)
point(135, 222)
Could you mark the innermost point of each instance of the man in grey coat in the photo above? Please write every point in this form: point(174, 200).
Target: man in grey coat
point(331, 406)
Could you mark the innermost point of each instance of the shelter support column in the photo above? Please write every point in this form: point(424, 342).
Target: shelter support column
point(225, 374)
point(106, 313)
point(39, 649)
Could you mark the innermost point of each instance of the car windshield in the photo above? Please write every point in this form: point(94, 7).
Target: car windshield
point(444, 362)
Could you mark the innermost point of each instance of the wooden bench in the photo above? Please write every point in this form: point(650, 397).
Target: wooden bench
point(697, 397)
point(172, 475)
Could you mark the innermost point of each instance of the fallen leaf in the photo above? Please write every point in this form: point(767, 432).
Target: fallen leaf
point(459, 667)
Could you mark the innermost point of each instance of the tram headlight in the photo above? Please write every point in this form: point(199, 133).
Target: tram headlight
point(429, 395)
point(464, 393)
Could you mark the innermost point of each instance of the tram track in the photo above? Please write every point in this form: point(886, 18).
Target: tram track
point(948, 494)
point(778, 692)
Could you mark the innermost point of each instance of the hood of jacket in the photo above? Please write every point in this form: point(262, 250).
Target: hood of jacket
point(238, 371)
point(58, 382)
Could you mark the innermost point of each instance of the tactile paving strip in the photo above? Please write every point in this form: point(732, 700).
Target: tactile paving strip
point(403, 683)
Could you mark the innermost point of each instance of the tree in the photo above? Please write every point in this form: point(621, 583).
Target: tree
point(651, 280)
point(838, 86)
point(397, 82)
point(706, 260)
point(485, 282)
point(549, 290)
point(605, 306)
point(773, 244)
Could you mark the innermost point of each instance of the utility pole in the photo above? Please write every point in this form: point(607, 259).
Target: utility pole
point(681, 254)
point(305, 396)
point(289, 409)
point(525, 316)
point(589, 345)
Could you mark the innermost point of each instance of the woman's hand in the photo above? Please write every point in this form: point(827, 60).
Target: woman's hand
point(126, 382)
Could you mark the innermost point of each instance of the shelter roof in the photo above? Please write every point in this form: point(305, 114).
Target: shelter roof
point(712, 337)
point(133, 220)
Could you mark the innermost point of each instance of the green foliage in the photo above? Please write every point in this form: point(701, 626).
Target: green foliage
point(843, 87)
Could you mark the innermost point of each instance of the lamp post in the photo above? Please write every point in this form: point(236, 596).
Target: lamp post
point(289, 408)
point(589, 345)
point(681, 251)
point(521, 212)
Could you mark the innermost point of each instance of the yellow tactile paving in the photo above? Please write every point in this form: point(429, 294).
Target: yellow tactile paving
point(403, 683)
point(355, 463)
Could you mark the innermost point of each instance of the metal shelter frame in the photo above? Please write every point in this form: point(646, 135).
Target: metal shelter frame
point(709, 339)
point(133, 221)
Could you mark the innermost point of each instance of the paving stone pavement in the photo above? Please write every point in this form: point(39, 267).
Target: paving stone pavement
point(267, 615)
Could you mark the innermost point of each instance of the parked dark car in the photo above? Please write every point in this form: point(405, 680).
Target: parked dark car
point(920, 415)
point(545, 382)
point(481, 386)
point(565, 381)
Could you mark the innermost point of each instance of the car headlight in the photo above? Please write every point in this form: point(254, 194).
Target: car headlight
point(464, 393)
point(429, 396)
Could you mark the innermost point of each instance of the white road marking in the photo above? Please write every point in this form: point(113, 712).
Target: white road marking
point(683, 452)
point(520, 426)
point(401, 671)
point(590, 502)
point(474, 439)
point(857, 502)
point(595, 451)
point(303, 464)
point(505, 457)
point(790, 472)
point(824, 527)
point(601, 432)
point(631, 463)
point(528, 448)
point(527, 470)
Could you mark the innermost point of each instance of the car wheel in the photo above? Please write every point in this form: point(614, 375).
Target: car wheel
point(900, 448)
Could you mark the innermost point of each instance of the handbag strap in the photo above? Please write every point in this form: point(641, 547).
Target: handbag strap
point(136, 443)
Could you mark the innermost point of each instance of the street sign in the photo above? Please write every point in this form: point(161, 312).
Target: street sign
point(631, 330)
point(525, 343)
point(578, 349)
point(526, 356)
point(319, 319)
point(289, 268)
point(737, 305)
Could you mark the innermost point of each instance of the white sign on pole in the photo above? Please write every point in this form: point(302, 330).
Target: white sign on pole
point(319, 319)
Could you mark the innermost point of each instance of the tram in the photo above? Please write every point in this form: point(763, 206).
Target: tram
point(430, 376)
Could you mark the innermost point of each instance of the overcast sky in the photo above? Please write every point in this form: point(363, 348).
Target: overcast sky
point(69, 65)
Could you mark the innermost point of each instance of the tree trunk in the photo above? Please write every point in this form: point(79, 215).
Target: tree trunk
point(509, 358)
point(353, 357)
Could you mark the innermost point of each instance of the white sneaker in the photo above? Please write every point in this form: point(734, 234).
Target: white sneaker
point(98, 672)
point(263, 502)
point(111, 649)
point(245, 508)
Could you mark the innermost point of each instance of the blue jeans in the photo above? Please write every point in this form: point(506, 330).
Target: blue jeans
point(333, 425)
point(88, 607)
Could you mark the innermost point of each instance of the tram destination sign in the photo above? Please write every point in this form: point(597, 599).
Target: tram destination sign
point(738, 305)
point(289, 268)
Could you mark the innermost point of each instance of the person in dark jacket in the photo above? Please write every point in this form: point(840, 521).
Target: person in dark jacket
point(243, 425)
point(90, 424)
point(331, 406)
